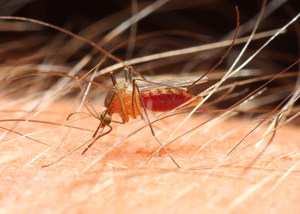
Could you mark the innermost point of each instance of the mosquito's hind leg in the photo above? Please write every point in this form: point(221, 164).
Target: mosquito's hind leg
point(135, 87)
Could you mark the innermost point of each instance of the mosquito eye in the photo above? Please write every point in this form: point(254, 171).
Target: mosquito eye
point(106, 119)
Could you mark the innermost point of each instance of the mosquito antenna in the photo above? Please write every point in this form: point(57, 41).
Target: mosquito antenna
point(95, 116)
point(227, 52)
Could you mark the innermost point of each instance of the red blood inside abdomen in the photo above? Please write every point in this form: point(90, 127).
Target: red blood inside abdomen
point(162, 102)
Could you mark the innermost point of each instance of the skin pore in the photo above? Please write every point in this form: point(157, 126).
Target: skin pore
point(251, 180)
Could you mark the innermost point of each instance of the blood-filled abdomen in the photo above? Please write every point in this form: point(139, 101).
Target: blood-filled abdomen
point(166, 99)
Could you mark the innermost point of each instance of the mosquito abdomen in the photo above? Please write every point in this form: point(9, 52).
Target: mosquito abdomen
point(166, 99)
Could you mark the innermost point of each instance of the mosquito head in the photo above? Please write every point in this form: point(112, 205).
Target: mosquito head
point(106, 118)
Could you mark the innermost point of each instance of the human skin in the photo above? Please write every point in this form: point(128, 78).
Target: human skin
point(117, 184)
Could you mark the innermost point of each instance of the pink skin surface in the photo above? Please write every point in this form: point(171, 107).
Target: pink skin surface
point(117, 184)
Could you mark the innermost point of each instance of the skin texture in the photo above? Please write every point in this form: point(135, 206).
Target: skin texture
point(117, 184)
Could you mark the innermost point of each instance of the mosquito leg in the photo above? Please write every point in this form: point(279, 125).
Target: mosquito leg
point(124, 115)
point(135, 108)
point(94, 141)
point(135, 87)
point(113, 78)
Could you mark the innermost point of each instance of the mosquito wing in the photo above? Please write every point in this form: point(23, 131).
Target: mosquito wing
point(175, 82)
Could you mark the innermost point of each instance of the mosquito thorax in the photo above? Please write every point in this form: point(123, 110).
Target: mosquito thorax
point(119, 101)
point(121, 88)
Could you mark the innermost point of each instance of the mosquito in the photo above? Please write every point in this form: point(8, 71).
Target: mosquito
point(133, 96)
point(129, 98)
